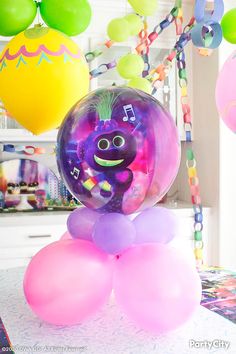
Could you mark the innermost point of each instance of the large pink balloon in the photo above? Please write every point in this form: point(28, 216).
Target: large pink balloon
point(226, 93)
point(66, 236)
point(156, 287)
point(68, 281)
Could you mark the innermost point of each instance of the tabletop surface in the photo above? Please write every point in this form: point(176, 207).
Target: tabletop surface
point(109, 332)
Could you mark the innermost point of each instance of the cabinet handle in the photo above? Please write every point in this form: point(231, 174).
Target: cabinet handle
point(39, 236)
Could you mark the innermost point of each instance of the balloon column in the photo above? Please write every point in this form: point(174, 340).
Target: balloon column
point(118, 152)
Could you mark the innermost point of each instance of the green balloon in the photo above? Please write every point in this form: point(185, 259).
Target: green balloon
point(144, 7)
point(16, 16)
point(141, 84)
point(130, 66)
point(135, 24)
point(228, 25)
point(71, 17)
point(118, 30)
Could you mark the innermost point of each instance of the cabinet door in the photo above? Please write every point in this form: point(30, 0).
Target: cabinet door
point(19, 245)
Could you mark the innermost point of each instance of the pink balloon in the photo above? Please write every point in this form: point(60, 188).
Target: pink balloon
point(66, 236)
point(68, 281)
point(226, 94)
point(156, 287)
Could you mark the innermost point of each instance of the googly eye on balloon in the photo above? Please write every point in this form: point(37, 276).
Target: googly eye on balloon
point(118, 150)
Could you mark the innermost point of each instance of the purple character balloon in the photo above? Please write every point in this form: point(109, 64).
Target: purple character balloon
point(114, 148)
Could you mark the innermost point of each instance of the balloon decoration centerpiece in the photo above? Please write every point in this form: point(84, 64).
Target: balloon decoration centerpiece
point(118, 152)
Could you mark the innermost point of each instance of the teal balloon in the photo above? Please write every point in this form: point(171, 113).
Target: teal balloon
point(16, 16)
point(71, 17)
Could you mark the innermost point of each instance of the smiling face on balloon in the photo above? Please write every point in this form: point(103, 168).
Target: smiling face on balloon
point(110, 150)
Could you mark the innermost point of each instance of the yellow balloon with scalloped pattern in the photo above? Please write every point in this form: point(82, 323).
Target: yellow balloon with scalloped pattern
point(43, 73)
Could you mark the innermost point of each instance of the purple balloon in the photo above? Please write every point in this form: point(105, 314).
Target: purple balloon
point(114, 233)
point(80, 223)
point(155, 225)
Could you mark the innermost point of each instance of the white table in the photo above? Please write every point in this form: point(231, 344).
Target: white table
point(110, 332)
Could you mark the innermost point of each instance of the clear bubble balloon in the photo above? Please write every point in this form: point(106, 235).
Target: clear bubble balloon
point(118, 150)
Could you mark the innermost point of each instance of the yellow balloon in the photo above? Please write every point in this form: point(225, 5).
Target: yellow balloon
point(43, 73)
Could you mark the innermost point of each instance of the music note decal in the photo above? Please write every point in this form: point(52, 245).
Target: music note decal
point(129, 113)
point(75, 173)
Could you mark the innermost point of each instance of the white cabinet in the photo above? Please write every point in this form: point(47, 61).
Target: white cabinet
point(22, 235)
point(184, 240)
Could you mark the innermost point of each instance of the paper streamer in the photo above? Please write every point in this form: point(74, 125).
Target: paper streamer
point(207, 35)
point(202, 15)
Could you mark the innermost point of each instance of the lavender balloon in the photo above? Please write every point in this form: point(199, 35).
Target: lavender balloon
point(80, 223)
point(155, 225)
point(114, 233)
